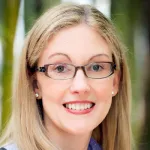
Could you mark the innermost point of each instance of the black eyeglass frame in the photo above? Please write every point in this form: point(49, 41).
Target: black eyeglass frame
point(45, 68)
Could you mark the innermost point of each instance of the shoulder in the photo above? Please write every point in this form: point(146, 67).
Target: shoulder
point(9, 147)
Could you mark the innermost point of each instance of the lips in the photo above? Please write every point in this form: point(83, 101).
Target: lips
point(79, 107)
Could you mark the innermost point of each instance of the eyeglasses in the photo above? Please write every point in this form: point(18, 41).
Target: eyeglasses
point(64, 71)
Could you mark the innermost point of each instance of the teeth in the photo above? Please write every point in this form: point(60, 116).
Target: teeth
point(73, 106)
point(85, 106)
point(79, 106)
point(88, 105)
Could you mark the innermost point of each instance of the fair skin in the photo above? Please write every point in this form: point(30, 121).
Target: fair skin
point(77, 45)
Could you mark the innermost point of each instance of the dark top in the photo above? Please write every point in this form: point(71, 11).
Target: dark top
point(93, 145)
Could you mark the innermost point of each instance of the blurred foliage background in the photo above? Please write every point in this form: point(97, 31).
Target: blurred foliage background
point(132, 20)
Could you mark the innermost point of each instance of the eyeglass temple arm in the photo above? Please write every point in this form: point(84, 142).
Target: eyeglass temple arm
point(41, 69)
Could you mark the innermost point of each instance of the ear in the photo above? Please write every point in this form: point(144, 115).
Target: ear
point(37, 89)
point(116, 82)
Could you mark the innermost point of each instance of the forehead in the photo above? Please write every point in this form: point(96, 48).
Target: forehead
point(79, 43)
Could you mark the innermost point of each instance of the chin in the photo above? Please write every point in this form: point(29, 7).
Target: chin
point(78, 129)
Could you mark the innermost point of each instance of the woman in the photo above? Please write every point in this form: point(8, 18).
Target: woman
point(73, 89)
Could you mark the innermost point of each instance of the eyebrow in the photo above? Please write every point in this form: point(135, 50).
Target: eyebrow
point(57, 54)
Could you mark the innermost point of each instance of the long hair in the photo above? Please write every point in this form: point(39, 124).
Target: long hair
point(26, 127)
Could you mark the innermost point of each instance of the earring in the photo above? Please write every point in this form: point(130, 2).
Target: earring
point(112, 93)
point(36, 95)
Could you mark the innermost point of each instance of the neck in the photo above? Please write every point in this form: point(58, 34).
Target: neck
point(66, 141)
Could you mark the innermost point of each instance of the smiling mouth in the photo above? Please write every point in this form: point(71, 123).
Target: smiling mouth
point(79, 106)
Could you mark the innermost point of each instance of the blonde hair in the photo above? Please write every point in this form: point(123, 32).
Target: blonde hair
point(26, 128)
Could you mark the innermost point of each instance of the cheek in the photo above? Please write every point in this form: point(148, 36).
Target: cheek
point(52, 96)
point(103, 95)
point(103, 90)
point(53, 91)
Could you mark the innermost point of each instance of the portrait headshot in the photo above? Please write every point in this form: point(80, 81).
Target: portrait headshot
point(72, 88)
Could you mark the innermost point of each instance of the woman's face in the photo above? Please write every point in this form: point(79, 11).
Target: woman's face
point(67, 103)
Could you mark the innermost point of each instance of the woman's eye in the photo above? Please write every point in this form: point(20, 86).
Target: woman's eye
point(60, 68)
point(96, 67)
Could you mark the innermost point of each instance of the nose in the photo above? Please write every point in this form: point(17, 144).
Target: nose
point(79, 84)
